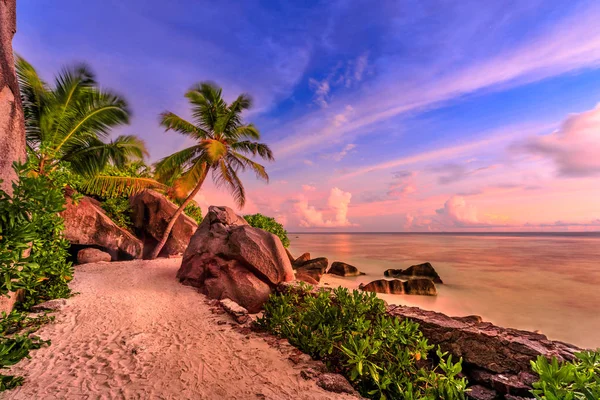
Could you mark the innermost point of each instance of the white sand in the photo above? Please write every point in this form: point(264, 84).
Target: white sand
point(134, 332)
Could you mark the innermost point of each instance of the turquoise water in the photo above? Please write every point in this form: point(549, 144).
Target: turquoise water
point(544, 282)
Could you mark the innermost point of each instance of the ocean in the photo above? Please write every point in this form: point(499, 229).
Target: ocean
point(548, 282)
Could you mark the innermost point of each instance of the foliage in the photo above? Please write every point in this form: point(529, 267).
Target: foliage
point(269, 224)
point(193, 211)
point(16, 346)
point(577, 380)
point(383, 357)
point(30, 223)
point(119, 210)
point(69, 123)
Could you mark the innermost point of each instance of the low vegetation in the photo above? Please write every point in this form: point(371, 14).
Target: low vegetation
point(33, 259)
point(268, 224)
point(383, 358)
point(577, 380)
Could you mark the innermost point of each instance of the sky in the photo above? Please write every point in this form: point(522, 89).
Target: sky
point(387, 116)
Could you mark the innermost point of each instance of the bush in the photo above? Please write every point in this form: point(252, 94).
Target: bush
point(270, 225)
point(119, 211)
point(193, 211)
point(577, 380)
point(30, 223)
point(384, 358)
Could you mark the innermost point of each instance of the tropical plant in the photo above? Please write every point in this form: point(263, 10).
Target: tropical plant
point(33, 250)
point(268, 224)
point(576, 380)
point(351, 332)
point(194, 211)
point(68, 124)
point(223, 146)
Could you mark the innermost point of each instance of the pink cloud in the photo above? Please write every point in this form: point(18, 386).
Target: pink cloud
point(337, 210)
point(574, 148)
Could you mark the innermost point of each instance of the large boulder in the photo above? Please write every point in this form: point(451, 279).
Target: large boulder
point(314, 268)
point(227, 258)
point(423, 286)
point(424, 270)
point(151, 212)
point(496, 358)
point(87, 224)
point(343, 269)
point(92, 255)
point(12, 126)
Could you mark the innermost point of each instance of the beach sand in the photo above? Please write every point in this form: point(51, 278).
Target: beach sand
point(134, 332)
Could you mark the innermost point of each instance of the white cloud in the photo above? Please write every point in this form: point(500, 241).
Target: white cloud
point(337, 209)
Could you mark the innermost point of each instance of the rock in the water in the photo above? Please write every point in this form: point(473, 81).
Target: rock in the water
point(314, 268)
point(151, 213)
point(91, 255)
point(301, 260)
point(239, 313)
point(335, 383)
point(343, 269)
point(424, 287)
point(87, 224)
point(227, 258)
point(300, 276)
point(420, 286)
point(393, 286)
point(424, 270)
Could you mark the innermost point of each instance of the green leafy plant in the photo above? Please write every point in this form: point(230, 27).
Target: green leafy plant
point(33, 250)
point(576, 380)
point(193, 211)
point(269, 224)
point(118, 210)
point(383, 357)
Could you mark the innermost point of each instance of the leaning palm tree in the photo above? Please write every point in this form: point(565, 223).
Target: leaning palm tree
point(223, 146)
point(68, 124)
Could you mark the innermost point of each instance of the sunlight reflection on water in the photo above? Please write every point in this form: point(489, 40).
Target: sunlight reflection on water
point(536, 282)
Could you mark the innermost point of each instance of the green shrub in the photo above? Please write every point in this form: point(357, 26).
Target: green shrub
point(577, 380)
point(193, 211)
point(119, 211)
point(383, 357)
point(270, 225)
point(30, 223)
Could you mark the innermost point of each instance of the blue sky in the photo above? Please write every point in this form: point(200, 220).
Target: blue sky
point(389, 115)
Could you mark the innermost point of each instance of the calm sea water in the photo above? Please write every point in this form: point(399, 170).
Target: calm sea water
point(545, 282)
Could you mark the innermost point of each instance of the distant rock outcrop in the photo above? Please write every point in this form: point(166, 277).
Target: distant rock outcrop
point(151, 212)
point(87, 224)
point(423, 286)
point(314, 268)
point(343, 269)
point(227, 258)
point(92, 255)
point(424, 270)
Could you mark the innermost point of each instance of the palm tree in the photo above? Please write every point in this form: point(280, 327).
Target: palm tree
point(69, 123)
point(223, 146)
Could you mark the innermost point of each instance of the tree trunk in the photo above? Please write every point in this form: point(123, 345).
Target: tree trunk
point(175, 216)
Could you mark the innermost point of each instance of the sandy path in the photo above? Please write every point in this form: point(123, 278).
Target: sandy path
point(134, 332)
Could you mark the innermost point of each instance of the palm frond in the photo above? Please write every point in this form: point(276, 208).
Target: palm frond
point(110, 186)
point(214, 150)
point(207, 104)
point(175, 123)
point(178, 162)
point(254, 148)
point(225, 175)
point(231, 118)
point(188, 180)
point(258, 169)
point(34, 95)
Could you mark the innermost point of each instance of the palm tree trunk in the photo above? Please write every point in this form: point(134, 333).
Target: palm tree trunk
point(175, 216)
